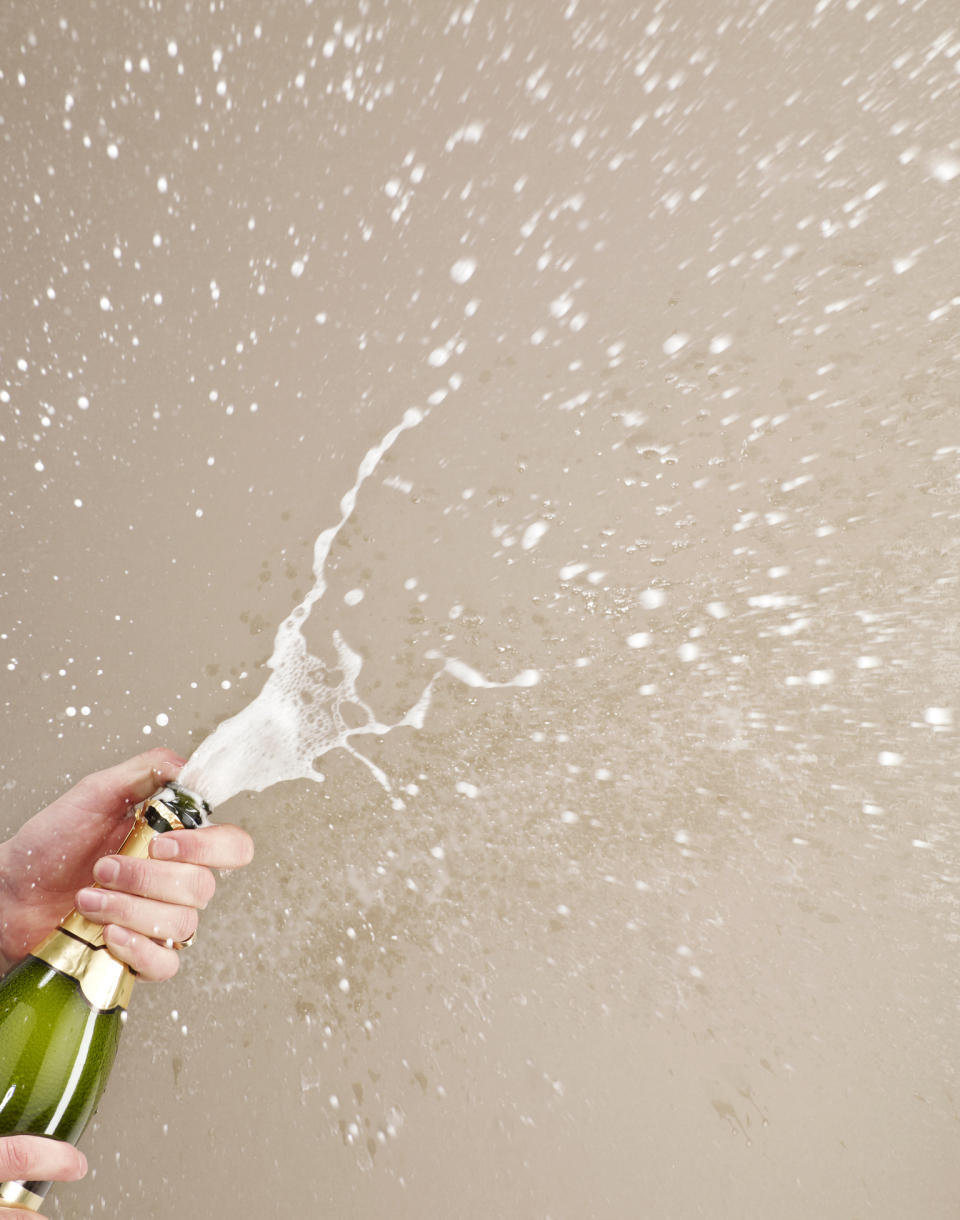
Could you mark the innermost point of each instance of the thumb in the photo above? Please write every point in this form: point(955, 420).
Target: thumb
point(34, 1158)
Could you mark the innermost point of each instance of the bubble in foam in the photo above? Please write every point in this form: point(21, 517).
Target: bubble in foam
point(298, 716)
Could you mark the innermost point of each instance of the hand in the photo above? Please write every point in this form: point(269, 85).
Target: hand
point(144, 905)
point(34, 1158)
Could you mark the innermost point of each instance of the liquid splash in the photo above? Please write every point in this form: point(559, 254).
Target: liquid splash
point(298, 715)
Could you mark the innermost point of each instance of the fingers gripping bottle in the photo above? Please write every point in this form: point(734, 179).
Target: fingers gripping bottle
point(62, 1009)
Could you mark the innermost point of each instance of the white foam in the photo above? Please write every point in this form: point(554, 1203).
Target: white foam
point(298, 716)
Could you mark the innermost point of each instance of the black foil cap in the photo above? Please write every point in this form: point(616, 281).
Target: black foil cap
point(188, 807)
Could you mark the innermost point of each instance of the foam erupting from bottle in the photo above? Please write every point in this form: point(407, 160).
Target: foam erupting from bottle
point(298, 715)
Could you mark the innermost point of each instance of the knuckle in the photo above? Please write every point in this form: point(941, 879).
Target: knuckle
point(185, 924)
point(18, 1156)
point(137, 955)
point(206, 887)
point(163, 762)
point(125, 946)
point(86, 782)
point(132, 876)
point(88, 787)
point(117, 908)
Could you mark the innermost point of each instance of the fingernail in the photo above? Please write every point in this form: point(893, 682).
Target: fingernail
point(91, 900)
point(83, 1163)
point(106, 869)
point(120, 936)
point(164, 848)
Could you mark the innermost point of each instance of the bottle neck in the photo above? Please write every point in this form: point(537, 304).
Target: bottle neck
point(77, 947)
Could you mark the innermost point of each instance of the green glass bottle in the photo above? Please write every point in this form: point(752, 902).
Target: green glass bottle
point(62, 1009)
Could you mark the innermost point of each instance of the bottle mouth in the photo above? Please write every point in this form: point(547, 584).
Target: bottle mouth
point(189, 807)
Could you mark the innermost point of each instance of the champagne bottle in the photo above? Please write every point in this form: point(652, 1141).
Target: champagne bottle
point(62, 1010)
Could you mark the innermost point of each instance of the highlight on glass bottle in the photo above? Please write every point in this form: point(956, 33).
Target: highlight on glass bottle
point(62, 1010)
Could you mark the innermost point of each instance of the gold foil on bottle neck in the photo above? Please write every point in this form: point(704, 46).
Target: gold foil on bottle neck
point(16, 1195)
point(105, 981)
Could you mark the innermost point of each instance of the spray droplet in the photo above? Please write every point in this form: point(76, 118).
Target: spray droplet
point(462, 270)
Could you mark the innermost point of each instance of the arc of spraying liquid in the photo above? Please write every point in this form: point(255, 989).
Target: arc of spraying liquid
point(412, 417)
point(272, 739)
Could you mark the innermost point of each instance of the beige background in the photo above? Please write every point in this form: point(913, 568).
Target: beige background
point(728, 987)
